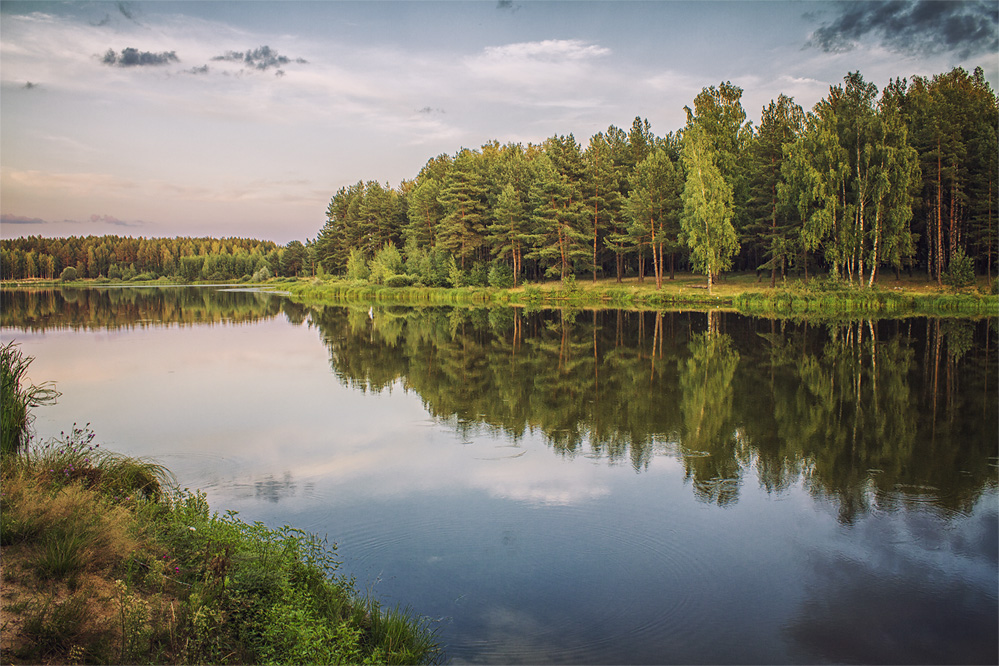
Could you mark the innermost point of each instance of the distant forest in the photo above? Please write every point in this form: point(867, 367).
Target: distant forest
point(904, 180)
point(129, 258)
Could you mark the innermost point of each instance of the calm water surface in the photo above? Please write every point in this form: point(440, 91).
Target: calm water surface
point(579, 487)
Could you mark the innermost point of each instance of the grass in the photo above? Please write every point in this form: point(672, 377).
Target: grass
point(745, 293)
point(17, 397)
point(104, 561)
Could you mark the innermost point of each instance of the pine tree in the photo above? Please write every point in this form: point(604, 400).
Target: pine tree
point(654, 206)
point(462, 229)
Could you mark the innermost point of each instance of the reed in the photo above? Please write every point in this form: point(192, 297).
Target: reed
point(17, 397)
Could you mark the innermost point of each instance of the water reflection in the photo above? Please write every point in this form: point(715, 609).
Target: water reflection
point(114, 308)
point(873, 414)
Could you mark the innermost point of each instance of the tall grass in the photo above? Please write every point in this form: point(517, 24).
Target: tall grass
point(17, 398)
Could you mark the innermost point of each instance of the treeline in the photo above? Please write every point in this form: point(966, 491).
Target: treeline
point(129, 258)
point(904, 180)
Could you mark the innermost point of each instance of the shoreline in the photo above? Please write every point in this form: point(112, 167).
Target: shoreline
point(742, 293)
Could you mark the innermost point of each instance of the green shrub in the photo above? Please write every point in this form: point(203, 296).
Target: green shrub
point(386, 263)
point(357, 266)
point(68, 274)
point(455, 276)
point(398, 280)
point(478, 276)
point(961, 272)
point(500, 276)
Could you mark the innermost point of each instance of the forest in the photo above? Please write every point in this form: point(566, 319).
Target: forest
point(903, 180)
point(139, 259)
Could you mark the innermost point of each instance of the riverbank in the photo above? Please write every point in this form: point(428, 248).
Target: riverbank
point(104, 562)
point(744, 293)
point(741, 293)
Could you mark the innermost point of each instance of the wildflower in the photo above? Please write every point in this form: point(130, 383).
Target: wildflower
point(192, 529)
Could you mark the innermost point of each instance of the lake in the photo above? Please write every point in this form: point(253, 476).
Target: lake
point(574, 486)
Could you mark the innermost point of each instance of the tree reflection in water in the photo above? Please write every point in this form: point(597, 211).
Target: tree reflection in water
point(872, 414)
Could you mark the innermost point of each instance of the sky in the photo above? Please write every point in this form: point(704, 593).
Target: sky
point(162, 119)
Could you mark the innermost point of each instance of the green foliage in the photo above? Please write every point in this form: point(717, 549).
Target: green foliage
point(398, 280)
point(357, 265)
point(68, 274)
point(429, 268)
point(707, 208)
point(62, 552)
point(961, 272)
point(478, 275)
point(386, 264)
point(16, 399)
point(500, 275)
point(455, 276)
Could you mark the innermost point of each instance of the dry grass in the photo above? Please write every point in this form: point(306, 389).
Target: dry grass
point(63, 546)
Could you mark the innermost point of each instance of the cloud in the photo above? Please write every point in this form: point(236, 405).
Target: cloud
point(549, 50)
point(913, 27)
point(197, 70)
point(130, 57)
point(548, 70)
point(7, 218)
point(114, 221)
point(427, 110)
point(29, 85)
point(262, 58)
point(507, 5)
point(126, 11)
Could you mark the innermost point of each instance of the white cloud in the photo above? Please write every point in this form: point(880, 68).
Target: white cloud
point(544, 69)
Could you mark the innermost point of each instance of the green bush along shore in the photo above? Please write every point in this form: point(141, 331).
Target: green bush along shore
point(817, 297)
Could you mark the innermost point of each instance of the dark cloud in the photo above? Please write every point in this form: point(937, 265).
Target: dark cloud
point(262, 59)
point(29, 85)
point(114, 221)
point(428, 110)
point(126, 11)
point(507, 5)
point(7, 218)
point(913, 26)
point(198, 70)
point(131, 57)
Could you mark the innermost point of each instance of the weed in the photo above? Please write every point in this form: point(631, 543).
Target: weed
point(51, 627)
point(62, 553)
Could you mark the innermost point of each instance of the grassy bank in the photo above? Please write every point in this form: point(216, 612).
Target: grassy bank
point(743, 293)
point(102, 563)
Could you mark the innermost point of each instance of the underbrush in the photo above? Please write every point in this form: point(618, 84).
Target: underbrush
point(104, 562)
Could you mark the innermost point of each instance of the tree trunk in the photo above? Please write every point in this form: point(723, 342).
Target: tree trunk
point(874, 250)
point(939, 256)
